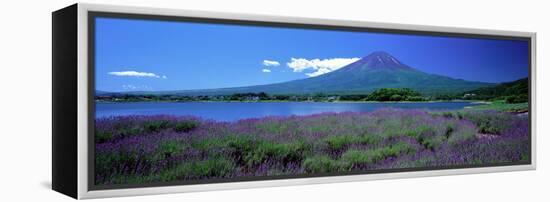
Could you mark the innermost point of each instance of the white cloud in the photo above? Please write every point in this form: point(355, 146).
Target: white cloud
point(137, 74)
point(319, 72)
point(134, 73)
point(269, 63)
point(319, 66)
point(266, 70)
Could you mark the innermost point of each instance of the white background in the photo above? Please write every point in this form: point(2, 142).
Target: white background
point(25, 102)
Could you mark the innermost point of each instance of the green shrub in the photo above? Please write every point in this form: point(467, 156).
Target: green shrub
point(517, 99)
point(185, 126)
point(103, 136)
point(421, 130)
point(393, 94)
point(155, 126)
point(459, 115)
point(322, 164)
point(415, 99)
point(449, 129)
point(170, 148)
point(395, 97)
point(216, 167)
point(486, 127)
point(264, 150)
point(241, 143)
point(447, 114)
point(464, 134)
point(339, 141)
point(489, 122)
point(355, 157)
point(253, 152)
point(369, 139)
point(113, 163)
point(208, 143)
point(430, 143)
point(426, 135)
point(124, 132)
point(399, 148)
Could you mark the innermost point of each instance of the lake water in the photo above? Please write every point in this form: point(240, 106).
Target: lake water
point(231, 111)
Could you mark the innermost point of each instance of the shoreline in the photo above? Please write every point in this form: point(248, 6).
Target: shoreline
point(336, 102)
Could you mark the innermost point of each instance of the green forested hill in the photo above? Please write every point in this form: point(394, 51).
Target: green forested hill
point(513, 92)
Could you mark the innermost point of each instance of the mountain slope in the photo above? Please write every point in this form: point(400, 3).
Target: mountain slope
point(375, 71)
point(518, 90)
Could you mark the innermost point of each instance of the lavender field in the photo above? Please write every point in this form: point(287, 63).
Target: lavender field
point(144, 149)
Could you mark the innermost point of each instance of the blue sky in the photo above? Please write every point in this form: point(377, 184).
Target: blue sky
point(135, 55)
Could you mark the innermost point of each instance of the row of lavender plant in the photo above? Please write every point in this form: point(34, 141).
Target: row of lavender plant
point(142, 149)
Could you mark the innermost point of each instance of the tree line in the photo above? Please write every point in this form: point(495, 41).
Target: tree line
point(384, 94)
point(512, 92)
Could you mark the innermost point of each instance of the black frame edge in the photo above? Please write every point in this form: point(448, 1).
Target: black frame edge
point(64, 100)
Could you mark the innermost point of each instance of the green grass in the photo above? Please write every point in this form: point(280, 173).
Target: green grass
point(255, 151)
point(110, 162)
point(322, 164)
point(369, 139)
point(339, 142)
point(455, 136)
point(214, 167)
point(421, 130)
point(279, 151)
point(208, 143)
point(501, 105)
point(356, 157)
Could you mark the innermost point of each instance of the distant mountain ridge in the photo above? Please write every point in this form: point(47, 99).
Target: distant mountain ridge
point(518, 90)
point(375, 71)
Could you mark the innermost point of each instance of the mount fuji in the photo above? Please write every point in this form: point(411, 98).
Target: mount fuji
point(375, 71)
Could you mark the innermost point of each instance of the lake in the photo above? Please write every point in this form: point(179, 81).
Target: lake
point(231, 111)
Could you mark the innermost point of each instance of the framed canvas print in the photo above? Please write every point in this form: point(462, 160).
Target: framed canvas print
point(150, 101)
